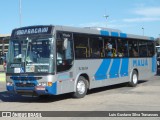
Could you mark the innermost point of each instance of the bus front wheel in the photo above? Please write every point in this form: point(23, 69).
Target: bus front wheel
point(134, 79)
point(81, 88)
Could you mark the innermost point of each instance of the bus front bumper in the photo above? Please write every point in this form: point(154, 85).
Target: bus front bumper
point(36, 90)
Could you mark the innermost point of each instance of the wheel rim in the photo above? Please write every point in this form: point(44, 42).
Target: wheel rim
point(135, 78)
point(81, 87)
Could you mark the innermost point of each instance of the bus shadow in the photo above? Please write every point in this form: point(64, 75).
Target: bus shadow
point(12, 97)
point(158, 72)
point(117, 86)
point(6, 96)
point(106, 88)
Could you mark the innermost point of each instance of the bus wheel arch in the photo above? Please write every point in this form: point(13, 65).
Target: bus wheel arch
point(133, 78)
point(87, 79)
point(81, 86)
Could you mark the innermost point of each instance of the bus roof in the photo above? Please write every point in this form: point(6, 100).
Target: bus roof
point(102, 31)
point(42, 29)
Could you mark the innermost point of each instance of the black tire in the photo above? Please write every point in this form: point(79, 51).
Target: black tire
point(134, 79)
point(81, 88)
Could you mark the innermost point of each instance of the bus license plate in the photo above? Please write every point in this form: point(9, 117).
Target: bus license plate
point(40, 88)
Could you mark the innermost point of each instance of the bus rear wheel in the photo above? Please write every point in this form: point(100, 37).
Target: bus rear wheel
point(81, 88)
point(134, 79)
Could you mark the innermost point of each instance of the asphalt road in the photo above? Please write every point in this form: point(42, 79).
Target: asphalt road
point(144, 97)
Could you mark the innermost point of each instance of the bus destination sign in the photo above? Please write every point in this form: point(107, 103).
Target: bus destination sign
point(32, 31)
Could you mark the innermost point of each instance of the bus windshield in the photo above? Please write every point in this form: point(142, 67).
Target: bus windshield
point(31, 55)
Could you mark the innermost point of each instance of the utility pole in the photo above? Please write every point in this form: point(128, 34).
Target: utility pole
point(20, 13)
point(106, 16)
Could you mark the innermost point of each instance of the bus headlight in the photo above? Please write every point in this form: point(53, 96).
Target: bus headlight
point(42, 84)
point(9, 84)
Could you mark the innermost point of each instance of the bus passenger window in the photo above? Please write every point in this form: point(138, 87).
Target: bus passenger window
point(151, 50)
point(134, 53)
point(110, 47)
point(95, 54)
point(133, 48)
point(96, 47)
point(81, 46)
point(143, 49)
point(122, 45)
point(81, 52)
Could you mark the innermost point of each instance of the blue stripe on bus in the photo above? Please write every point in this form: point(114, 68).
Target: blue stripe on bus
point(114, 34)
point(114, 71)
point(124, 67)
point(53, 89)
point(154, 64)
point(123, 35)
point(101, 73)
point(104, 32)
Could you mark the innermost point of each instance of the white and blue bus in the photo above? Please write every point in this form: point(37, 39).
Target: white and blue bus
point(53, 60)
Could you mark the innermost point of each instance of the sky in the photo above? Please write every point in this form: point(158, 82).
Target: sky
point(130, 16)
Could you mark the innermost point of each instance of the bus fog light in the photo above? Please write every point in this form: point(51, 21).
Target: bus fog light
point(44, 84)
point(49, 83)
point(39, 84)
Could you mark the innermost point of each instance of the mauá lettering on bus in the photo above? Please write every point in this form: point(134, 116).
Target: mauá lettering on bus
point(140, 62)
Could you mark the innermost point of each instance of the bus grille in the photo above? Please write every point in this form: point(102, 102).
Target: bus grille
point(26, 78)
point(25, 84)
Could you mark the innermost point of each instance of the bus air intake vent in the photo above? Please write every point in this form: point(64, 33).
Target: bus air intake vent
point(26, 78)
point(25, 84)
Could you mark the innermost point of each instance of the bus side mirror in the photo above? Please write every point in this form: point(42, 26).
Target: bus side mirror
point(65, 43)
